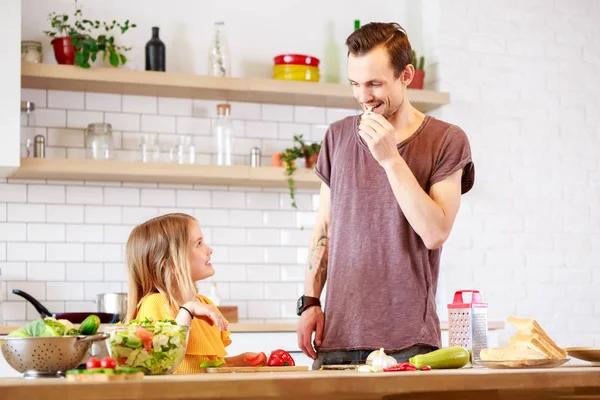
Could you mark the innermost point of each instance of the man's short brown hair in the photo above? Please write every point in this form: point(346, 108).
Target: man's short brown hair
point(390, 35)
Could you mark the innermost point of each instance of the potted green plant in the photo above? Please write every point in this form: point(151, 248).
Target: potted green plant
point(76, 43)
point(300, 149)
point(417, 82)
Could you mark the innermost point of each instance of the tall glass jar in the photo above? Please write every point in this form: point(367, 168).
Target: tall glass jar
point(98, 141)
point(219, 62)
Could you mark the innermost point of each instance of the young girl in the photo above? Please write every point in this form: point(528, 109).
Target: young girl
point(165, 257)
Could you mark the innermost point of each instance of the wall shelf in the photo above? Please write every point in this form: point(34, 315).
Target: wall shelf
point(167, 84)
point(125, 171)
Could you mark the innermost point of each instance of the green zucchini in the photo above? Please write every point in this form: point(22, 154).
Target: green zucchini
point(450, 357)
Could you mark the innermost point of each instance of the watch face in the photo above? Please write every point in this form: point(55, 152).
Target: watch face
point(300, 302)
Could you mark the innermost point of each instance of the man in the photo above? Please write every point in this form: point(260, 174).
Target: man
point(392, 183)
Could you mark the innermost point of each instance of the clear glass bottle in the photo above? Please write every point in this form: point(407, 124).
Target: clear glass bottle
point(223, 135)
point(214, 296)
point(219, 62)
point(28, 125)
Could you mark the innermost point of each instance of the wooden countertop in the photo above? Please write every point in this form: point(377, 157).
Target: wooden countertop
point(478, 383)
point(242, 327)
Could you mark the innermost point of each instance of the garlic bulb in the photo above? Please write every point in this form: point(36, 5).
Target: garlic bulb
point(381, 360)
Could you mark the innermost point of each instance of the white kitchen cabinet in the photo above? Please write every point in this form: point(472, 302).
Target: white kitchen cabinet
point(10, 82)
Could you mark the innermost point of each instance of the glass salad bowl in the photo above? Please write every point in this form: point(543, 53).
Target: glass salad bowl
point(156, 347)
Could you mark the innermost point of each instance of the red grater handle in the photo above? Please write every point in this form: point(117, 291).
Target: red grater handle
point(475, 299)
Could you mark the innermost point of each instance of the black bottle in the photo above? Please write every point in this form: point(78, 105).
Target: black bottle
point(155, 53)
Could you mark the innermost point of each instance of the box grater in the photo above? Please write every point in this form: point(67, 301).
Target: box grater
point(467, 322)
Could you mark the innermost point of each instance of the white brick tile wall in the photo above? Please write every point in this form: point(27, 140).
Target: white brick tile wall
point(13, 192)
point(41, 271)
point(25, 251)
point(65, 99)
point(13, 271)
point(287, 130)
point(261, 129)
point(26, 212)
point(13, 232)
point(79, 271)
point(115, 271)
point(248, 111)
point(45, 232)
point(36, 289)
point(173, 106)
point(262, 237)
point(103, 102)
point(193, 198)
point(64, 252)
point(85, 233)
point(277, 112)
point(158, 197)
point(117, 233)
point(65, 213)
point(50, 118)
point(46, 194)
point(102, 214)
point(2, 211)
point(65, 137)
point(140, 104)
point(38, 96)
point(193, 126)
point(122, 196)
point(248, 255)
point(65, 291)
point(137, 215)
point(81, 119)
point(158, 124)
point(123, 122)
point(228, 236)
point(84, 195)
point(230, 272)
point(228, 199)
point(244, 218)
point(94, 288)
point(311, 115)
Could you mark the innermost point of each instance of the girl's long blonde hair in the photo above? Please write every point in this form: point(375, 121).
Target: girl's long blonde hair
point(158, 262)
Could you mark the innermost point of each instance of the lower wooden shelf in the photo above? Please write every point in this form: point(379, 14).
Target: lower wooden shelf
point(125, 171)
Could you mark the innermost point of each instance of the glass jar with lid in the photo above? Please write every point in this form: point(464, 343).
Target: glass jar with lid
point(31, 52)
point(98, 141)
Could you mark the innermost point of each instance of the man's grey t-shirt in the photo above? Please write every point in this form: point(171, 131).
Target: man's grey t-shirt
point(381, 279)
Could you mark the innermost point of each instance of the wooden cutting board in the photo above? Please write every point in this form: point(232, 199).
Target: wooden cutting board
point(255, 369)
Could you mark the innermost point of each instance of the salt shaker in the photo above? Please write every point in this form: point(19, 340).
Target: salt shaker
point(255, 157)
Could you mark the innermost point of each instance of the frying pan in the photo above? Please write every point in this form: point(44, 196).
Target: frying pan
point(74, 317)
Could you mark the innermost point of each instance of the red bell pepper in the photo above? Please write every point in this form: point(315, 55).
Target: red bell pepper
point(257, 360)
point(405, 366)
point(280, 358)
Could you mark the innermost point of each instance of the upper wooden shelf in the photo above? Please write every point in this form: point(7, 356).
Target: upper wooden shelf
point(125, 171)
point(167, 84)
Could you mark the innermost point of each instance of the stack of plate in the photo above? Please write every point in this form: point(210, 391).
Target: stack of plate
point(296, 67)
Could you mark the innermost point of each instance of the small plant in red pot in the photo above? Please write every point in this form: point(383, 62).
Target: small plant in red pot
point(61, 35)
point(77, 44)
point(417, 82)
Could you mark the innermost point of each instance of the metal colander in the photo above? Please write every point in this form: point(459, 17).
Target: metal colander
point(46, 356)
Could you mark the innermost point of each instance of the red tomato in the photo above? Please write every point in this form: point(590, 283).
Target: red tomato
point(146, 337)
point(425, 368)
point(122, 360)
point(256, 361)
point(92, 363)
point(108, 362)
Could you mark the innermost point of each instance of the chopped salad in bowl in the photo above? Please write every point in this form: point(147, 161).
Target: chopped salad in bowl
point(156, 347)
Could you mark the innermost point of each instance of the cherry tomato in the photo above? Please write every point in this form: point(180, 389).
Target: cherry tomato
point(108, 362)
point(425, 368)
point(92, 363)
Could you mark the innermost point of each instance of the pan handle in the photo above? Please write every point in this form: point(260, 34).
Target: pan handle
point(38, 306)
point(93, 338)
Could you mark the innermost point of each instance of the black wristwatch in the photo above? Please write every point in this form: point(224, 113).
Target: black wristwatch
point(305, 302)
